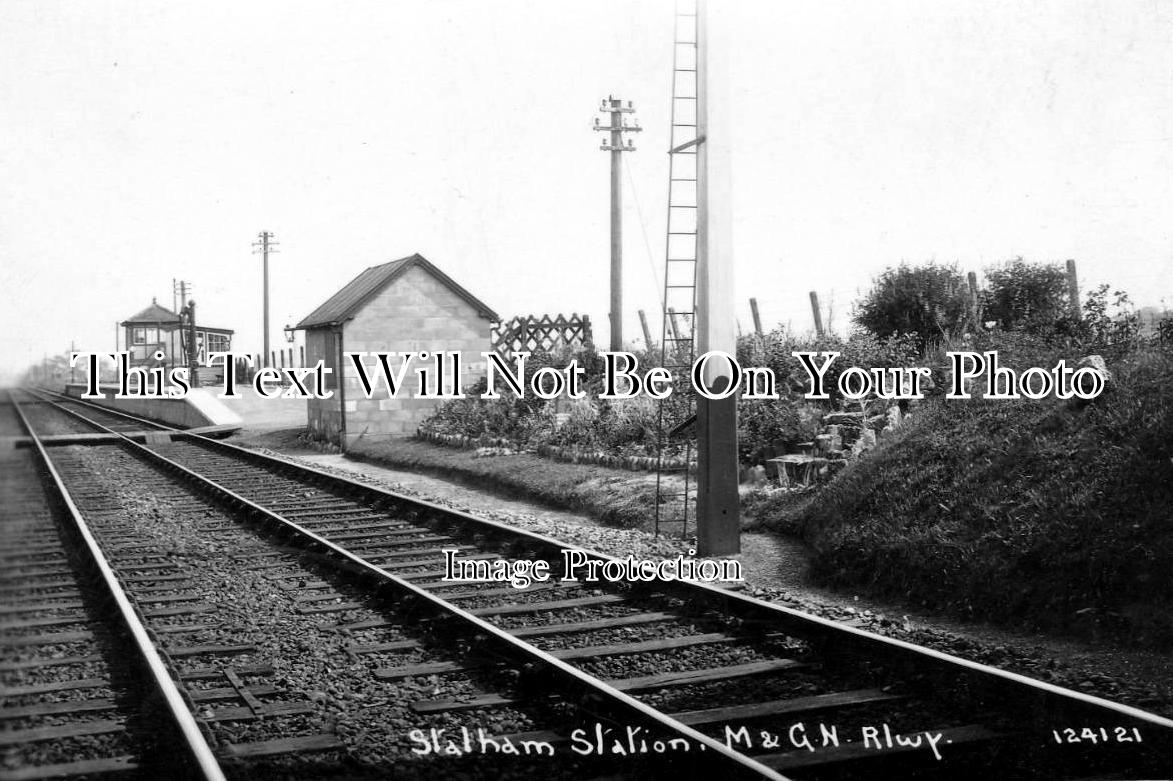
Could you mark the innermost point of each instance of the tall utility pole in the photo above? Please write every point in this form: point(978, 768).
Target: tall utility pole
point(264, 246)
point(179, 292)
point(718, 525)
point(616, 147)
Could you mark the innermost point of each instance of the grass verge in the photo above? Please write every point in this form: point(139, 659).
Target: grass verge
point(615, 497)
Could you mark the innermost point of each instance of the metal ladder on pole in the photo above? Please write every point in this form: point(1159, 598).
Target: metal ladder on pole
point(676, 506)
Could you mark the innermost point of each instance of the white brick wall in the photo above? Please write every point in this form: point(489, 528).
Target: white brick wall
point(414, 313)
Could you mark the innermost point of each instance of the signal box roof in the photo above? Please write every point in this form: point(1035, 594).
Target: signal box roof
point(153, 314)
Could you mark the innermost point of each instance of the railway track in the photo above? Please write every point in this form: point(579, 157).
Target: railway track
point(83, 692)
point(45, 416)
point(667, 677)
point(183, 563)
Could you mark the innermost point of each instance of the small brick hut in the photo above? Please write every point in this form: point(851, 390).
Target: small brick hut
point(407, 305)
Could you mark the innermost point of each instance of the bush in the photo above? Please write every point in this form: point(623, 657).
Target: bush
point(766, 424)
point(1016, 349)
point(627, 427)
point(929, 301)
point(1105, 326)
point(775, 349)
point(630, 426)
point(580, 429)
point(1030, 297)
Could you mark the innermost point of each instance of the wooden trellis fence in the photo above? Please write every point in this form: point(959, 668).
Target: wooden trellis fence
point(533, 334)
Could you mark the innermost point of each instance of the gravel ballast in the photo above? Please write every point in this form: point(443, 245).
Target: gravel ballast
point(1140, 679)
point(239, 576)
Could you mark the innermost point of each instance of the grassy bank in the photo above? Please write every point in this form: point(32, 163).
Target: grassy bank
point(1032, 512)
point(616, 497)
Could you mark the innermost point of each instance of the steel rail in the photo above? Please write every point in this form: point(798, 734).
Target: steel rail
point(1021, 687)
point(153, 424)
point(203, 759)
point(736, 604)
point(711, 752)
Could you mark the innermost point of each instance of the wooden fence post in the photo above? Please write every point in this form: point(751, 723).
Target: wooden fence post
point(815, 311)
point(673, 326)
point(643, 322)
point(972, 300)
point(1073, 290)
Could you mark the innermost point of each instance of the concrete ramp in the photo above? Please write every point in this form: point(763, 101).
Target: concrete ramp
point(213, 410)
point(198, 409)
point(260, 414)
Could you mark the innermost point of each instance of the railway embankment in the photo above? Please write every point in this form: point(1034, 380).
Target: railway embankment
point(1046, 515)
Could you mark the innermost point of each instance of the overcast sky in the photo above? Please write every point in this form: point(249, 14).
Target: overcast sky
point(149, 141)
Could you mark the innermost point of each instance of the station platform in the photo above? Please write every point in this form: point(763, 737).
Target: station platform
point(260, 414)
point(203, 409)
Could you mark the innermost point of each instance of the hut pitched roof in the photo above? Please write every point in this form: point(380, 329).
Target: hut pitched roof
point(355, 294)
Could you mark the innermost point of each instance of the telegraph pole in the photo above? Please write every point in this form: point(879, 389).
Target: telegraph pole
point(615, 108)
point(718, 524)
point(264, 246)
point(179, 288)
